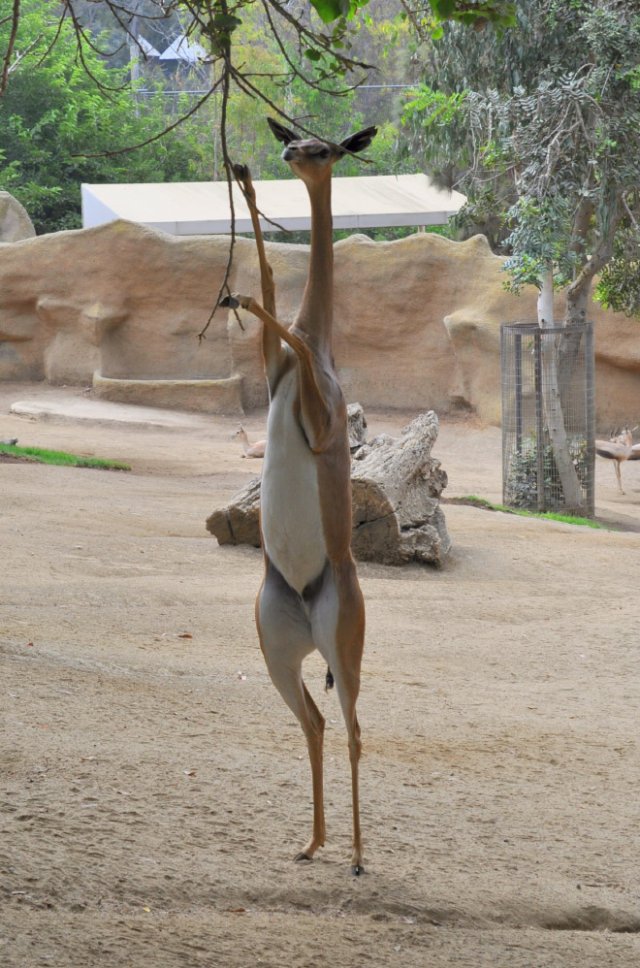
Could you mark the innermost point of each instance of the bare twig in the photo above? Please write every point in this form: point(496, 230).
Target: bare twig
point(228, 167)
point(630, 214)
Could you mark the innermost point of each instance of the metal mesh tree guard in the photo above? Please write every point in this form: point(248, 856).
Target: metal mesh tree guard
point(548, 429)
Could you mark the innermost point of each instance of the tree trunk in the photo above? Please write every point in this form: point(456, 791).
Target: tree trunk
point(134, 60)
point(578, 297)
point(552, 400)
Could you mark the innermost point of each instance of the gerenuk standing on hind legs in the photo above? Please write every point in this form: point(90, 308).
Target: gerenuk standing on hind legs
point(310, 597)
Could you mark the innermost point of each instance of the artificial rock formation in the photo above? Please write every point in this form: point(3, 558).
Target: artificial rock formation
point(396, 488)
point(125, 304)
point(15, 223)
point(417, 321)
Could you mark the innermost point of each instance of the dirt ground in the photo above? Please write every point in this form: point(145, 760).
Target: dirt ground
point(155, 788)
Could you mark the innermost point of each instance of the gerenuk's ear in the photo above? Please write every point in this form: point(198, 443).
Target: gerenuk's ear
point(285, 135)
point(360, 140)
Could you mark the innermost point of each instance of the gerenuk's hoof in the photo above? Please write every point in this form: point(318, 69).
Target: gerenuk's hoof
point(357, 870)
point(301, 857)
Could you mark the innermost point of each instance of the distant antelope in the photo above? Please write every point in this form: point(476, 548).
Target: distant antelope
point(250, 450)
point(618, 448)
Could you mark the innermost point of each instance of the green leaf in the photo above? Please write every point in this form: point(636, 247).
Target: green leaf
point(226, 21)
point(329, 10)
point(502, 13)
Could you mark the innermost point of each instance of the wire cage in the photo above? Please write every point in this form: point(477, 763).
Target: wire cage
point(548, 418)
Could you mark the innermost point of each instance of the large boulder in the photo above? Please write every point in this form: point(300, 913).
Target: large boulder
point(15, 223)
point(396, 487)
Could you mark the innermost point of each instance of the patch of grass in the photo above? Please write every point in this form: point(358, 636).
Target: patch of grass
point(555, 516)
point(479, 502)
point(60, 458)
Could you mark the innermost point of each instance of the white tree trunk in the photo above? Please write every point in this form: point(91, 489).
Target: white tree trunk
point(572, 491)
point(134, 61)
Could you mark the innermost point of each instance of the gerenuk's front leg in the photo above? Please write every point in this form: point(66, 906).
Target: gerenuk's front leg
point(319, 412)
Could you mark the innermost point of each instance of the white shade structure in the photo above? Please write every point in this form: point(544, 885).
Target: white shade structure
point(202, 208)
point(185, 51)
point(147, 49)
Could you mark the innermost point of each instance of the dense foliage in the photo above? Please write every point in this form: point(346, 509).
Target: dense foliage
point(57, 128)
point(540, 126)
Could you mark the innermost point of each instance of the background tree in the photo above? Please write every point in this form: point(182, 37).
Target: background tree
point(550, 134)
point(53, 117)
point(315, 39)
point(544, 120)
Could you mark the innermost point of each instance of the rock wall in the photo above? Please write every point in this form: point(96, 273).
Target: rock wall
point(119, 301)
point(417, 321)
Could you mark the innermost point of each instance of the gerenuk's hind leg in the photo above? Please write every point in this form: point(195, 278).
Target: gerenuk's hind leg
point(337, 622)
point(285, 639)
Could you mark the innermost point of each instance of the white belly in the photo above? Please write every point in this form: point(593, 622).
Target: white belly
point(290, 500)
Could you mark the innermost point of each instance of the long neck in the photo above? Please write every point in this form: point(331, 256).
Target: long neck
point(315, 316)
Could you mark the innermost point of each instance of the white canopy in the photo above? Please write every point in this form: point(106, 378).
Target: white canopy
point(202, 208)
point(147, 49)
point(182, 50)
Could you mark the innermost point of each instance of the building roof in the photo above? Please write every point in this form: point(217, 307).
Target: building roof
point(147, 49)
point(202, 208)
point(183, 50)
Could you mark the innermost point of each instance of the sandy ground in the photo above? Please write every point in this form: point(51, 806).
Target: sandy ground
point(154, 787)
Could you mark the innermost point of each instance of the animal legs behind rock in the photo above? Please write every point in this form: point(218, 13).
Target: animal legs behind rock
point(285, 639)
